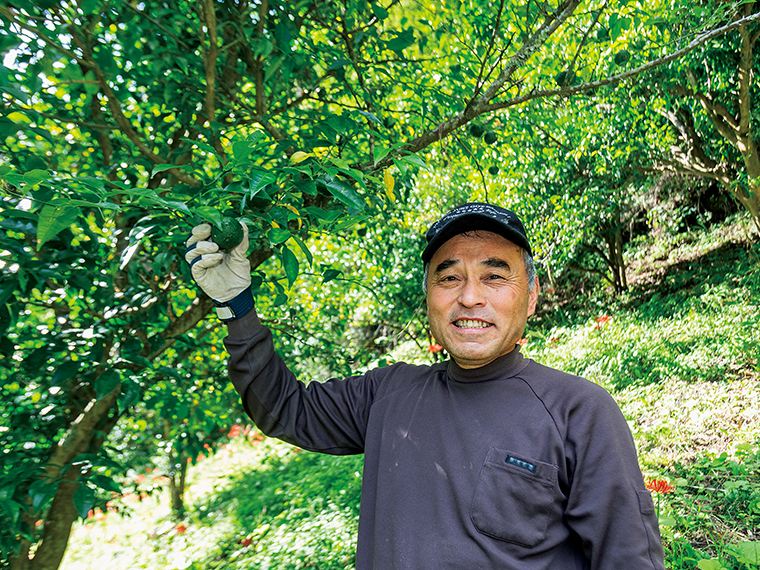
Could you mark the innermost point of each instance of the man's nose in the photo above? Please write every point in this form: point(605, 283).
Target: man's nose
point(471, 294)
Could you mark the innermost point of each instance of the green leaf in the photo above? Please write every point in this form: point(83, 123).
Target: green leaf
point(304, 248)
point(201, 145)
point(91, 83)
point(331, 274)
point(402, 41)
point(7, 289)
point(371, 117)
point(41, 492)
point(278, 235)
point(306, 187)
point(345, 194)
point(273, 65)
point(53, 220)
point(380, 153)
point(290, 265)
point(711, 564)
point(379, 12)
point(106, 382)
point(35, 176)
point(208, 214)
point(12, 510)
point(259, 179)
point(130, 393)
point(168, 371)
point(105, 483)
point(242, 149)
point(415, 160)
point(338, 63)
point(347, 223)
point(84, 499)
point(746, 552)
point(164, 167)
point(65, 371)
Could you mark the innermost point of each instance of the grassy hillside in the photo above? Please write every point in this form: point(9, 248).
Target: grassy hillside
point(679, 352)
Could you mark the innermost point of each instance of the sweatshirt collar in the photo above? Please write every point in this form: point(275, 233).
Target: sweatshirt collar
point(503, 367)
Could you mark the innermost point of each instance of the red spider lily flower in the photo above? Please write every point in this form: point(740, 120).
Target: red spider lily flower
point(522, 341)
point(140, 478)
point(180, 528)
point(601, 321)
point(659, 486)
point(235, 431)
point(246, 541)
point(435, 348)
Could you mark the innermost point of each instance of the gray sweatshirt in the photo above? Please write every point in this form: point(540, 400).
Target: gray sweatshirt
point(511, 466)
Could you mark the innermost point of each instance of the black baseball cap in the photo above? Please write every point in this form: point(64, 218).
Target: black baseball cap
point(475, 216)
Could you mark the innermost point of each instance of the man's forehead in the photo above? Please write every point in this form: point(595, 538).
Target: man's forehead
point(479, 240)
point(487, 249)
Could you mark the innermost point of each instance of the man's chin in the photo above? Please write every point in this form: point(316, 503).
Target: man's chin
point(474, 359)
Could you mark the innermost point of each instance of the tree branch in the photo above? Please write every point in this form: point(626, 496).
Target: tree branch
point(208, 14)
point(583, 41)
point(481, 105)
point(698, 41)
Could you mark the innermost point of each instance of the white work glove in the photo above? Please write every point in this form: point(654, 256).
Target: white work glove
point(225, 277)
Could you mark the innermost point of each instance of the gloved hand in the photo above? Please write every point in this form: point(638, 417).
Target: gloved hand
point(225, 277)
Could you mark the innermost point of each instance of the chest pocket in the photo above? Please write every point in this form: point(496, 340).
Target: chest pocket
point(514, 497)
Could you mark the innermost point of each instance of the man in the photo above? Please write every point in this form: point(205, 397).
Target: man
point(487, 461)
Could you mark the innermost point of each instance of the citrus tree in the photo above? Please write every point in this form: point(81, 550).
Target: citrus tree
point(125, 123)
point(704, 107)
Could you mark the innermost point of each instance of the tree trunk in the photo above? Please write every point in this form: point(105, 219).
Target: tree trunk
point(177, 485)
point(58, 521)
point(61, 514)
point(614, 239)
point(750, 200)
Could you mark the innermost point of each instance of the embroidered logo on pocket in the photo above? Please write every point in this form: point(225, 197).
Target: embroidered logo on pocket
point(520, 463)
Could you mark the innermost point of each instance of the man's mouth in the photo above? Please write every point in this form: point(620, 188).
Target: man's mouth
point(471, 324)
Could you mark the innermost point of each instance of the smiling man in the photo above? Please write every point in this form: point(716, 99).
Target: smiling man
point(486, 461)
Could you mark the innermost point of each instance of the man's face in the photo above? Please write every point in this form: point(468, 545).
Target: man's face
point(477, 297)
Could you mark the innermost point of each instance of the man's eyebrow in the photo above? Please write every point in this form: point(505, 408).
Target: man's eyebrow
point(496, 263)
point(444, 265)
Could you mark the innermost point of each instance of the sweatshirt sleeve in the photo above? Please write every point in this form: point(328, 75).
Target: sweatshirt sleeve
point(609, 506)
point(329, 417)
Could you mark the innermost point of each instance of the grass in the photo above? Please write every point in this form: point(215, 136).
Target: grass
point(679, 352)
point(255, 505)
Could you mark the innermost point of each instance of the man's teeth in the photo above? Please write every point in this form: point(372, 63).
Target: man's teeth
point(470, 324)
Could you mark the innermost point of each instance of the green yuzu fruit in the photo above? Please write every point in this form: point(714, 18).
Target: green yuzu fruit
point(566, 78)
point(493, 170)
point(490, 137)
point(622, 57)
point(476, 130)
point(228, 234)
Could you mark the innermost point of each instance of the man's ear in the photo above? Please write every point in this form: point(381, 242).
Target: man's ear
point(533, 297)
